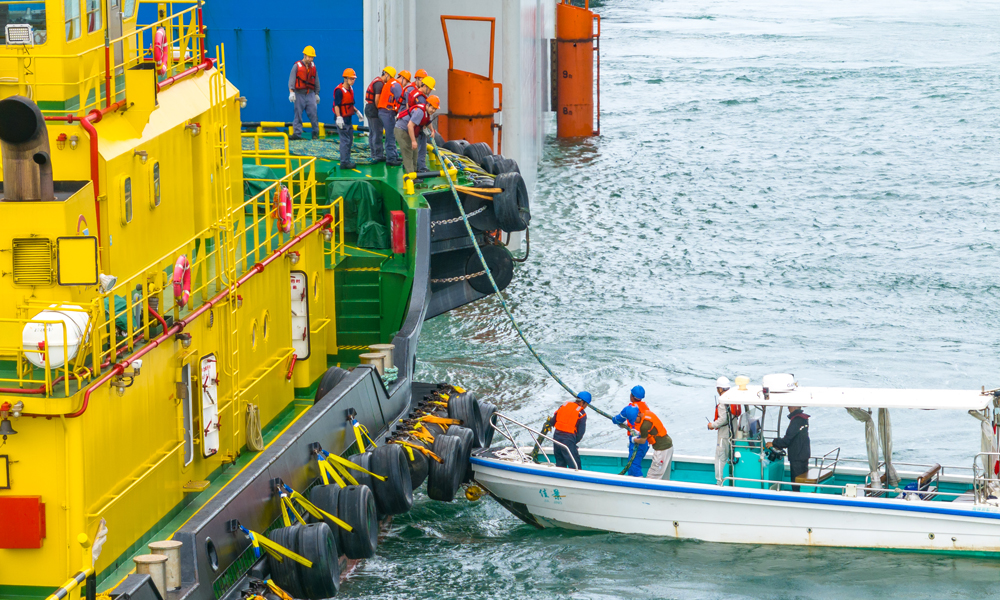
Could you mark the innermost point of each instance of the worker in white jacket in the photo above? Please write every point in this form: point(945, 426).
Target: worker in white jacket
point(721, 423)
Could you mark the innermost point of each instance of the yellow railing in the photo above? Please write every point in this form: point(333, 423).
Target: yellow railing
point(120, 320)
point(26, 375)
point(94, 78)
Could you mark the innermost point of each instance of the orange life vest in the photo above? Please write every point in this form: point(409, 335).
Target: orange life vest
point(426, 121)
point(415, 97)
point(404, 99)
point(734, 409)
point(641, 405)
point(305, 77)
point(370, 92)
point(385, 99)
point(656, 431)
point(567, 416)
point(347, 103)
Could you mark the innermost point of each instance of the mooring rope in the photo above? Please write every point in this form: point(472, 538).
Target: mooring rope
point(496, 289)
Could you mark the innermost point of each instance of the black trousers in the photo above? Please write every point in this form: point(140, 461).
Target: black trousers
point(562, 456)
point(798, 467)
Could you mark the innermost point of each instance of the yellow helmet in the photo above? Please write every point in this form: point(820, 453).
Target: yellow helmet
point(429, 82)
point(390, 71)
point(309, 51)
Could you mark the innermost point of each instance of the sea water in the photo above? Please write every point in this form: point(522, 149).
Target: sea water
point(801, 187)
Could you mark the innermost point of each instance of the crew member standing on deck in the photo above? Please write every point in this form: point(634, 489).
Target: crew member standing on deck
point(418, 96)
point(638, 445)
point(343, 107)
point(388, 104)
point(796, 439)
point(410, 123)
point(376, 129)
point(570, 423)
point(303, 92)
point(724, 422)
point(410, 87)
point(649, 427)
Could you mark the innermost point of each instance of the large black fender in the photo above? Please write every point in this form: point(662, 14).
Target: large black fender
point(511, 204)
point(465, 408)
point(444, 478)
point(487, 412)
point(467, 438)
point(329, 380)
point(501, 264)
point(478, 152)
point(283, 572)
point(357, 509)
point(394, 496)
point(318, 545)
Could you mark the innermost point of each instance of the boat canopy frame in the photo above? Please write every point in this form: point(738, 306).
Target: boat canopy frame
point(888, 398)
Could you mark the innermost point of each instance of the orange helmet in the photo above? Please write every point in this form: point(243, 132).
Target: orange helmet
point(405, 75)
point(434, 101)
point(420, 73)
point(349, 72)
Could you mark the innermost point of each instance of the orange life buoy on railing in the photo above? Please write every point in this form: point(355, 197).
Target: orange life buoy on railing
point(283, 210)
point(182, 281)
point(160, 49)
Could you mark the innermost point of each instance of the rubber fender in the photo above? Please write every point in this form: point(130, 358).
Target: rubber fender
point(443, 478)
point(506, 165)
point(465, 408)
point(478, 152)
point(484, 221)
point(511, 205)
point(317, 544)
point(501, 265)
point(490, 164)
point(284, 572)
point(394, 496)
point(357, 508)
point(327, 498)
point(363, 460)
point(487, 413)
point(467, 437)
point(328, 381)
point(438, 139)
point(418, 468)
point(456, 146)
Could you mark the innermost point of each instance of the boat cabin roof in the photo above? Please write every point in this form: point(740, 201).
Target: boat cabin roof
point(863, 398)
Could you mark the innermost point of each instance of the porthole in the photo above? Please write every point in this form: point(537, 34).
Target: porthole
point(154, 192)
point(253, 335)
point(213, 555)
point(266, 325)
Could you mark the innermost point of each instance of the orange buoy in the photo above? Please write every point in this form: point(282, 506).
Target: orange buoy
point(470, 95)
point(577, 51)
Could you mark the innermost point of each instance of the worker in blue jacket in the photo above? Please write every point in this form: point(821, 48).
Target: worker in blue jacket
point(638, 446)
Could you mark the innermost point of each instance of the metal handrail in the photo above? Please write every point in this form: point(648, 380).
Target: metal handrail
point(842, 487)
point(864, 461)
point(984, 481)
point(510, 437)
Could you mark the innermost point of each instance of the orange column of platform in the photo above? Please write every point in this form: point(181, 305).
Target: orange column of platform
point(576, 53)
point(470, 95)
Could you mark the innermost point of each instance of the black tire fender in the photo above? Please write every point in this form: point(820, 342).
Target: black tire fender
point(478, 152)
point(487, 412)
point(357, 508)
point(442, 477)
point(465, 408)
point(318, 545)
point(418, 468)
point(327, 498)
point(394, 496)
point(467, 437)
point(511, 204)
point(363, 460)
point(501, 264)
point(284, 572)
point(329, 380)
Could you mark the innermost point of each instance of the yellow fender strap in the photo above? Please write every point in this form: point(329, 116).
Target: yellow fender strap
point(286, 508)
point(337, 460)
point(364, 432)
point(411, 447)
point(328, 472)
point(318, 512)
point(280, 551)
point(277, 591)
point(440, 420)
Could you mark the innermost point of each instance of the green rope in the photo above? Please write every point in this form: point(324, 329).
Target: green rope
point(503, 302)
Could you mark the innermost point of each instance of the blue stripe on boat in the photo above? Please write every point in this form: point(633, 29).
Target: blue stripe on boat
point(556, 473)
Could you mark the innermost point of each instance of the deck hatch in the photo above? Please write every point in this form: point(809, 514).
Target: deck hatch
point(32, 261)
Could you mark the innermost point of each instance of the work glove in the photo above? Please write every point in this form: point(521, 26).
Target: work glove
point(291, 97)
point(340, 122)
point(428, 132)
point(317, 98)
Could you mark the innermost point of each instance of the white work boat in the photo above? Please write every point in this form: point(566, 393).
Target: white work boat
point(841, 503)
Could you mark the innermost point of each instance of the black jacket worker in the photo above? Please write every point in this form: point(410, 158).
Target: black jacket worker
point(570, 423)
point(796, 441)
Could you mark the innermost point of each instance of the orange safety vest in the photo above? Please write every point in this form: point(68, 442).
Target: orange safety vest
point(734, 409)
point(385, 98)
point(641, 405)
point(567, 417)
point(305, 77)
point(656, 431)
point(347, 104)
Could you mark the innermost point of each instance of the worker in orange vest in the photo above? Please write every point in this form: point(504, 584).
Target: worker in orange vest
point(650, 429)
point(418, 95)
point(410, 126)
point(343, 107)
point(303, 92)
point(376, 128)
point(410, 87)
point(570, 423)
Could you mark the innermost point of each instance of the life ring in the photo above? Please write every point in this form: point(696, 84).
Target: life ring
point(160, 49)
point(182, 281)
point(283, 210)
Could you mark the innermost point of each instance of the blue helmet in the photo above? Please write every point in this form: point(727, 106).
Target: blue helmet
point(585, 396)
point(638, 392)
point(631, 413)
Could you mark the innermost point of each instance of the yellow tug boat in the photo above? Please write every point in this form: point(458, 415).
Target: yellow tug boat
point(171, 329)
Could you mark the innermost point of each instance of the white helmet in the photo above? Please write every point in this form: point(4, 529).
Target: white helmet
point(722, 382)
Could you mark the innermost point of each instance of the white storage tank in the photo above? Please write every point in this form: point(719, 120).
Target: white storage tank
point(33, 337)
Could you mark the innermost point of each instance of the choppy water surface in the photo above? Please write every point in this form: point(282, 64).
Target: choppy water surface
point(780, 186)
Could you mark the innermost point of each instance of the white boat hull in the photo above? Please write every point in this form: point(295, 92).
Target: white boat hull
point(589, 500)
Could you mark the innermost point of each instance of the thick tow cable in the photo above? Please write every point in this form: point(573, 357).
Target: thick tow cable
point(496, 290)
